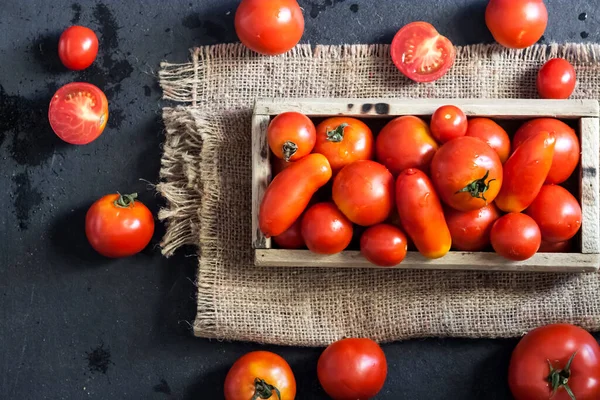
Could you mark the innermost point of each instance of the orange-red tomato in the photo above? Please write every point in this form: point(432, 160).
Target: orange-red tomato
point(269, 27)
point(447, 123)
point(325, 229)
point(556, 79)
point(467, 173)
point(364, 192)
point(557, 247)
point(516, 236)
point(289, 193)
point(291, 136)
point(557, 213)
point(470, 230)
point(77, 47)
point(525, 172)
point(344, 140)
point(405, 142)
point(516, 23)
point(384, 245)
point(491, 133)
point(566, 149)
point(292, 237)
point(260, 375)
point(421, 213)
point(119, 225)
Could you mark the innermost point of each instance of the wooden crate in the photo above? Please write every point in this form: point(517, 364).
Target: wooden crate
point(583, 113)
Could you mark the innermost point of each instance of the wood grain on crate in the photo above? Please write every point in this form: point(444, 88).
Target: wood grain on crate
point(590, 185)
point(261, 176)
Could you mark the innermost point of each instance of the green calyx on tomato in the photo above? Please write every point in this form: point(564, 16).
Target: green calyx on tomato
point(560, 378)
point(337, 134)
point(289, 149)
point(478, 187)
point(263, 390)
point(125, 200)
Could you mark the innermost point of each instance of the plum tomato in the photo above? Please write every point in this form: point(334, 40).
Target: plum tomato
point(491, 133)
point(292, 237)
point(516, 236)
point(384, 245)
point(291, 136)
point(421, 53)
point(556, 79)
point(77, 47)
point(470, 230)
point(516, 23)
point(325, 229)
point(447, 123)
point(557, 213)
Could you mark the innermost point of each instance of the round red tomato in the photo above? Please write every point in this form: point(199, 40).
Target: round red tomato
point(384, 245)
point(119, 225)
point(405, 142)
point(78, 112)
point(325, 229)
point(352, 369)
point(552, 360)
point(292, 237)
point(291, 136)
point(491, 133)
point(516, 236)
point(556, 79)
point(421, 53)
point(260, 375)
point(566, 148)
point(467, 173)
point(558, 247)
point(77, 47)
point(516, 23)
point(447, 123)
point(557, 213)
point(269, 27)
point(344, 140)
point(470, 230)
point(364, 192)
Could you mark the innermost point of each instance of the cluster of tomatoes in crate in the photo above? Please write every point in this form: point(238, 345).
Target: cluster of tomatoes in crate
point(451, 183)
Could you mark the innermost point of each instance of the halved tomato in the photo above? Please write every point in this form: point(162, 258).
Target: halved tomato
point(421, 53)
point(78, 112)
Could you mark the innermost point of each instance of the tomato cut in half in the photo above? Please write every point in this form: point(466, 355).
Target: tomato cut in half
point(78, 112)
point(421, 53)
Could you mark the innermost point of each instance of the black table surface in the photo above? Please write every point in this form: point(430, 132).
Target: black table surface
point(74, 325)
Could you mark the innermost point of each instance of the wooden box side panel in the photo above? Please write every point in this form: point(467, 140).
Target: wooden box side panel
point(261, 176)
point(590, 184)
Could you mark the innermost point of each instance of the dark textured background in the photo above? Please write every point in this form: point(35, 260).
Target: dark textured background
point(74, 325)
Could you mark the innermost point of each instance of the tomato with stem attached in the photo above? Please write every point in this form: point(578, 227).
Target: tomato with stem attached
point(516, 236)
point(447, 123)
point(470, 230)
point(556, 79)
point(557, 212)
point(291, 136)
point(491, 133)
point(384, 245)
point(77, 47)
point(516, 23)
point(325, 229)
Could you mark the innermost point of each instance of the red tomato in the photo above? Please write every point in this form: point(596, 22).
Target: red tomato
point(384, 245)
point(516, 23)
point(260, 375)
point(447, 123)
point(525, 172)
point(556, 212)
point(516, 236)
point(553, 359)
point(556, 79)
point(269, 27)
point(405, 142)
point(292, 237)
point(291, 136)
point(352, 369)
point(119, 225)
point(421, 213)
point(364, 192)
point(491, 133)
point(421, 53)
point(467, 173)
point(344, 140)
point(325, 229)
point(78, 112)
point(77, 47)
point(470, 230)
point(566, 149)
point(289, 193)
point(558, 247)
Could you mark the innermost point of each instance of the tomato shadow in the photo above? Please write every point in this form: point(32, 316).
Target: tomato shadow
point(490, 377)
point(44, 49)
point(208, 385)
point(470, 25)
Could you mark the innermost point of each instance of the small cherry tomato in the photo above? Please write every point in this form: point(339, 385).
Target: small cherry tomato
point(344, 140)
point(516, 23)
point(491, 133)
point(566, 149)
point(384, 245)
point(557, 213)
point(447, 123)
point(260, 375)
point(78, 112)
point(364, 192)
point(405, 142)
point(421, 53)
point(119, 225)
point(291, 136)
point(269, 27)
point(77, 47)
point(556, 79)
point(352, 369)
point(470, 230)
point(516, 236)
point(558, 247)
point(292, 237)
point(325, 229)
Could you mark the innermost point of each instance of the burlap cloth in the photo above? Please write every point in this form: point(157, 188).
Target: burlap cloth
point(205, 178)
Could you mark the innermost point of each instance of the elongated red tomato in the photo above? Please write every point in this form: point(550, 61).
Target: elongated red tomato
point(557, 213)
point(491, 133)
point(525, 172)
point(289, 193)
point(291, 136)
point(421, 213)
point(470, 230)
point(384, 245)
point(516, 236)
